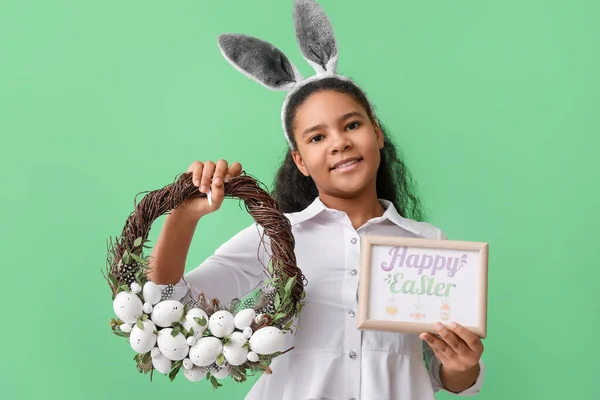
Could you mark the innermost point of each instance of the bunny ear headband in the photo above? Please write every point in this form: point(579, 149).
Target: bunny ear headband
point(266, 64)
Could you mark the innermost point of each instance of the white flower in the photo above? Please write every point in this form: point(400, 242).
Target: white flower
point(126, 328)
point(187, 363)
point(191, 340)
point(136, 288)
point(252, 356)
point(248, 333)
point(147, 308)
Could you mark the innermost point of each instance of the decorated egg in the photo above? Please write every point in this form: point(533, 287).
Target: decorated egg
point(222, 372)
point(166, 312)
point(147, 308)
point(190, 322)
point(155, 352)
point(194, 374)
point(233, 351)
point(248, 333)
point(128, 307)
point(174, 348)
point(187, 363)
point(191, 340)
point(244, 318)
point(143, 340)
point(267, 340)
point(252, 356)
point(206, 351)
point(162, 364)
point(151, 293)
point(221, 324)
point(136, 288)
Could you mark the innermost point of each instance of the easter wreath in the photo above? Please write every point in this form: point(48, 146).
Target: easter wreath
point(205, 337)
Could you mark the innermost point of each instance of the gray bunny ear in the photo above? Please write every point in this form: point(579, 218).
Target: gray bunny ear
point(260, 61)
point(315, 36)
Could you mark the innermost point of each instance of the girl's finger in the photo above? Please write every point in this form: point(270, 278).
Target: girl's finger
point(196, 169)
point(440, 347)
point(207, 174)
point(234, 170)
point(220, 171)
point(469, 338)
point(451, 339)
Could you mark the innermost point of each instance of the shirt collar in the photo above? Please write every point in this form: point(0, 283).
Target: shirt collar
point(317, 207)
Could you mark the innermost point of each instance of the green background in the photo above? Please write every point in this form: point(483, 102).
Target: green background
point(495, 104)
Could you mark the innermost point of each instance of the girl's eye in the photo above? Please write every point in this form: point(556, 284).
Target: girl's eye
point(352, 125)
point(313, 139)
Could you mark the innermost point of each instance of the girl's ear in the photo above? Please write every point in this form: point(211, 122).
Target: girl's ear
point(379, 133)
point(299, 162)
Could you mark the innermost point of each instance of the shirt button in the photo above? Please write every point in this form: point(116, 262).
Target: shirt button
point(351, 314)
point(353, 272)
point(353, 240)
point(352, 355)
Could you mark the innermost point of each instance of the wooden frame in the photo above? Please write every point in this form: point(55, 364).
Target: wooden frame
point(470, 294)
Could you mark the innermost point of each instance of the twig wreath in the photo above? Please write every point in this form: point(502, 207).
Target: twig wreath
point(207, 338)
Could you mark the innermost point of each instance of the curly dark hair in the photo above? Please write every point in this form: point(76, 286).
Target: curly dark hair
point(294, 192)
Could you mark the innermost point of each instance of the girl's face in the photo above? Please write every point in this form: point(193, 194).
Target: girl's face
point(337, 144)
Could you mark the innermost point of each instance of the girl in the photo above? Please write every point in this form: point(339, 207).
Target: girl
point(341, 179)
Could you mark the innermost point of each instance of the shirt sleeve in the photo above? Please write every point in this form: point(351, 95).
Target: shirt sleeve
point(434, 364)
point(235, 269)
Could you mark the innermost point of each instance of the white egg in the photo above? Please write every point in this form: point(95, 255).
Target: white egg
point(222, 372)
point(252, 356)
point(221, 324)
point(143, 340)
point(174, 348)
point(125, 328)
point(151, 293)
point(191, 341)
point(190, 323)
point(187, 363)
point(135, 287)
point(233, 351)
point(155, 352)
point(248, 333)
point(267, 340)
point(244, 318)
point(128, 307)
point(206, 351)
point(166, 312)
point(162, 364)
point(147, 308)
point(194, 374)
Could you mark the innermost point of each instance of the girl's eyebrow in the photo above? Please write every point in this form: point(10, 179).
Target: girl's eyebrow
point(341, 118)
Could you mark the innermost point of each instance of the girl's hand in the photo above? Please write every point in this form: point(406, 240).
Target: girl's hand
point(208, 176)
point(458, 349)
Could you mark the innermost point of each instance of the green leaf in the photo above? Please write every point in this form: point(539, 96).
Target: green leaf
point(125, 257)
point(146, 358)
point(246, 346)
point(139, 324)
point(173, 373)
point(137, 242)
point(176, 331)
point(113, 322)
point(270, 267)
point(226, 340)
point(278, 316)
point(138, 258)
point(290, 284)
point(200, 321)
point(220, 360)
point(277, 301)
point(190, 332)
point(123, 287)
point(288, 325)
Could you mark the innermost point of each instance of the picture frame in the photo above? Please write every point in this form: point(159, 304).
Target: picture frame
point(408, 284)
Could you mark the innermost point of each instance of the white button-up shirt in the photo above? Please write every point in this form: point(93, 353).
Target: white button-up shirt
point(332, 358)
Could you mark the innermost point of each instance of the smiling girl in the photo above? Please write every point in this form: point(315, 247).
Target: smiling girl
point(342, 178)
